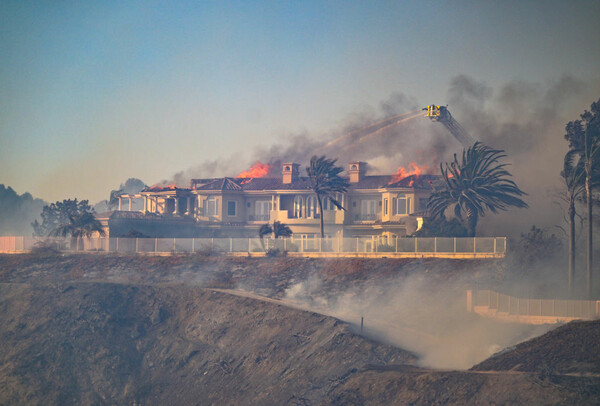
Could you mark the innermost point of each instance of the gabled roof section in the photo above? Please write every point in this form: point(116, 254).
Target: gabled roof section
point(221, 184)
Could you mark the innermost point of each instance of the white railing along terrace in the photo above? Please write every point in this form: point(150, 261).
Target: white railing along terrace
point(479, 245)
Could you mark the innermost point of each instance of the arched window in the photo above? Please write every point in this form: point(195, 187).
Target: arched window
point(298, 207)
point(311, 207)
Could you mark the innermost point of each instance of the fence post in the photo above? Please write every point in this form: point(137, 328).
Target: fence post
point(474, 245)
point(117, 244)
point(455, 245)
point(416, 238)
point(356, 244)
point(193, 245)
point(212, 243)
point(230, 244)
point(396, 243)
point(249, 245)
point(155, 245)
point(435, 245)
point(174, 246)
point(494, 246)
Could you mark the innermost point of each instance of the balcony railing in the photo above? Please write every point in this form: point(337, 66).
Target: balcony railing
point(259, 217)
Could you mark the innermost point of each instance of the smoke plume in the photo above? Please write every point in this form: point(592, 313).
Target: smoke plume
point(417, 314)
point(525, 119)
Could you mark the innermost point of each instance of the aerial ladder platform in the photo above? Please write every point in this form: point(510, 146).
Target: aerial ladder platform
point(442, 115)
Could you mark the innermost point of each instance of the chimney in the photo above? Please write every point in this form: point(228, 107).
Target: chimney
point(290, 172)
point(356, 171)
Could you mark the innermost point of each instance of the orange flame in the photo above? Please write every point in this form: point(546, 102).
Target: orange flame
point(258, 170)
point(159, 187)
point(413, 169)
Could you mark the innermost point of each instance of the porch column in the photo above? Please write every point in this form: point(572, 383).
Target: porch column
point(189, 205)
point(130, 199)
point(145, 204)
point(175, 205)
point(120, 203)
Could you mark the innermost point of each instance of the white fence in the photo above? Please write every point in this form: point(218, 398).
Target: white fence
point(533, 311)
point(491, 246)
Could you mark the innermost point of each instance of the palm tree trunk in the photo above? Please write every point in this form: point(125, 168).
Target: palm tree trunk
point(571, 245)
point(588, 192)
point(471, 221)
point(321, 216)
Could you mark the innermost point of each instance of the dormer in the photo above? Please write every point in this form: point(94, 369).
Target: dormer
point(290, 172)
point(356, 171)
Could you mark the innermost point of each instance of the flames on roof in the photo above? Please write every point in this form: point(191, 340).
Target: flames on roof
point(258, 170)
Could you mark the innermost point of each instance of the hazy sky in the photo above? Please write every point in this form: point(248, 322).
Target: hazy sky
point(92, 93)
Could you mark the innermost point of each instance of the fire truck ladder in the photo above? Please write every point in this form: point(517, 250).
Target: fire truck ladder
point(442, 115)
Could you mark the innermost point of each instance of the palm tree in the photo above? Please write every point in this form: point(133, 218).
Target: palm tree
point(584, 139)
point(281, 230)
point(326, 181)
point(474, 185)
point(79, 225)
point(265, 229)
point(573, 175)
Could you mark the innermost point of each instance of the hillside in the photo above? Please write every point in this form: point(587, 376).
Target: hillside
point(570, 349)
point(84, 329)
point(98, 343)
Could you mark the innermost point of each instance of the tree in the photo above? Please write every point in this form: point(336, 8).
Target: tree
point(326, 181)
point(278, 230)
point(474, 185)
point(441, 227)
point(80, 225)
point(59, 213)
point(281, 230)
point(131, 186)
point(584, 139)
point(573, 175)
point(265, 229)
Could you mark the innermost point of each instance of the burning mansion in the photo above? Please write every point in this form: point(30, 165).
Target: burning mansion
point(374, 205)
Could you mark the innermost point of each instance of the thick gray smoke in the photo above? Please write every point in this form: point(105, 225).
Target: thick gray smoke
point(415, 314)
point(525, 119)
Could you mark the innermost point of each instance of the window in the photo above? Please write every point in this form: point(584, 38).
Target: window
point(328, 204)
point(402, 204)
point(298, 207)
point(211, 208)
point(262, 210)
point(231, 208)
point(368, 209)
point(311, 207)
point(385, 206)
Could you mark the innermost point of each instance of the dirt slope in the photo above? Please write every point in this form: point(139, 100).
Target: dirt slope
point(570, 349)
point(94, 330)
point(102, 343)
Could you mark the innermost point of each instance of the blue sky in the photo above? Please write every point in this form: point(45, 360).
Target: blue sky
point(92, 93)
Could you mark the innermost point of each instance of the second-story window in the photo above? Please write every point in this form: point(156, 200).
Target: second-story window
point(262, 210)
point(210, 206)
point(231, 208)
point(368, 209)
point(311, 207)
point(402, 204)
point(298, 207)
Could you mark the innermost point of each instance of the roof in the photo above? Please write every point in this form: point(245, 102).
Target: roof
point(303, 183)
point(164, 188)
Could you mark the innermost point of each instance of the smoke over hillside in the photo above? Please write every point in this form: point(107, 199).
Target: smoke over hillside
point(418, 314)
